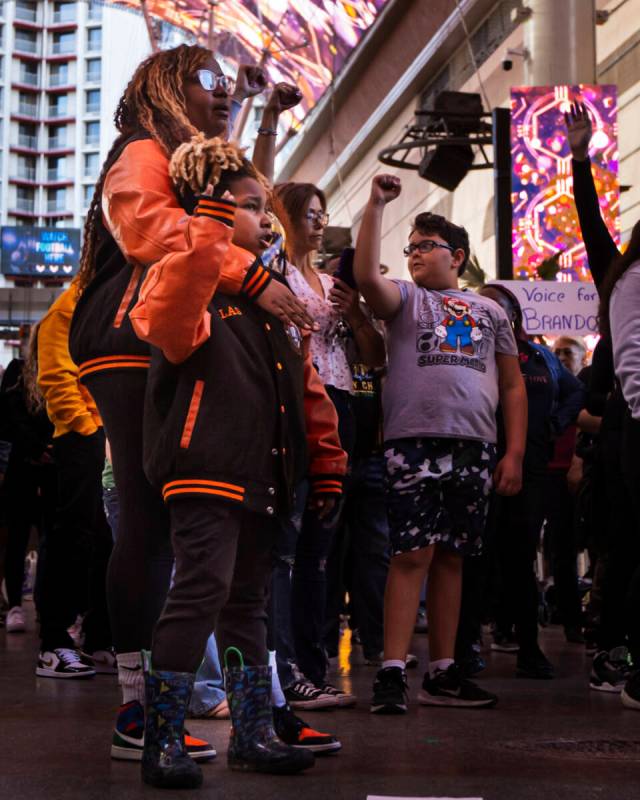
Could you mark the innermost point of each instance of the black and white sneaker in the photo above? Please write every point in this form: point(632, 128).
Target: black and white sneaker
point(303, 694)
point(610, 670)
point(390, 692)
point(449, 688)
point(63, 662)
point(345, 699)
point(631, 692)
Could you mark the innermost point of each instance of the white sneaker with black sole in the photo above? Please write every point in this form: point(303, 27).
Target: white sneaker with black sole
point(610, 670)
point(63, 662)
point(303, 694)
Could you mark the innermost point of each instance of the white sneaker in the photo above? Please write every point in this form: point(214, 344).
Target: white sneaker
point(345, 699)
point(15, 621)
point(63, 662)
point(103, 661)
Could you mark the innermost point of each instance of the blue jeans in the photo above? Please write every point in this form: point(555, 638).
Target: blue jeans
point(111, 509)
point(298, 592)
point(208, 689)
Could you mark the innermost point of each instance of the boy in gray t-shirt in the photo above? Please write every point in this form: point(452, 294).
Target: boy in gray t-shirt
point(452, 358)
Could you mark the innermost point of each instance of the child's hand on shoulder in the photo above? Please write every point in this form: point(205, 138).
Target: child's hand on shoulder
point(507, 478)
point(385, 189)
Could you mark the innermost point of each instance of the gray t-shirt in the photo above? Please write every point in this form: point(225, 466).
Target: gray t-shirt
point(442, 375)
point(625, 334)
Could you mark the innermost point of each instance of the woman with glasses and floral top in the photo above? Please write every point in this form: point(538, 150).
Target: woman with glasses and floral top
point(340, 324)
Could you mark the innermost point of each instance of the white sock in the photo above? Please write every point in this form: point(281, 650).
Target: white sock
point(131, 676)
point(277, 695)
point(442, 664)
point(393, 662)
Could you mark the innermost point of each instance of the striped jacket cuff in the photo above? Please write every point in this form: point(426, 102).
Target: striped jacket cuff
point(221, 210)
point(326, 484)
point(256, 280)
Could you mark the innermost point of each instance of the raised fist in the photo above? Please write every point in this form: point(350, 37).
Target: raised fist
point(283, 97)
point(385, 188)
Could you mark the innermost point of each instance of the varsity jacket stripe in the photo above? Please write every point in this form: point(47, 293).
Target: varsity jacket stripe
point(113, 362)
point(197, 486)
point(256, 281)
point(192, 414)
point(127, 296)
point(222, 211)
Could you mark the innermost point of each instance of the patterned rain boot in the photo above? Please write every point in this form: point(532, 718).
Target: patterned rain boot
point(165, 761)
point(253, 745)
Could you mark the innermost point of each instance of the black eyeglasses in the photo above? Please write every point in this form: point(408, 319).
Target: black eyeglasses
point(318, 217)
point(425, 246)
point(210, 81)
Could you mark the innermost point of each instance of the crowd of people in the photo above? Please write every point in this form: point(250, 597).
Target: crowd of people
point(222, 443)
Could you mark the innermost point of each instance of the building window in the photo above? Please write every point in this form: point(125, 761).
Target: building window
point(92, 134)
point(29, 73)
point(91, 165)
point(26, 41)
point(94, 39)
point(57, 137)
point(64, 12)
point(94, 70)
point(92, 105)
point(58, 75)
point(27, 135)
point(87, 194)
point(56, 199)
point(58, 106)
point(25, 198)
point(95, 11)
point(56, 168)
point(27, 168)
point(64, 43)
point(26, 10)
point(27, 104)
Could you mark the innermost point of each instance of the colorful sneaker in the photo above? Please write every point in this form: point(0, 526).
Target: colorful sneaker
point(295, 732)
point(103, 661)
point(128, 737)
point(63, 662)
point(449, 688)
point(15, 621)
point(345, 699)
point(303, 694)
point(610, 670)
point(631, 692)
point(390, 692)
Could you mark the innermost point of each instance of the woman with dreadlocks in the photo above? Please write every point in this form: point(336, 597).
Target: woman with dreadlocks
point(221, 358)
point(134, 220)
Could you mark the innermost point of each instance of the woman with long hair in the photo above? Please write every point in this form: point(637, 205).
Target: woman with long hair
point(335, 307)
point(619, 303)
point(135, 219)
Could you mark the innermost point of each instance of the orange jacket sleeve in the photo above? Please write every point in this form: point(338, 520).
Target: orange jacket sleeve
point(70, 407)
point(328, 461)
point(143, 215)
point(171, 312)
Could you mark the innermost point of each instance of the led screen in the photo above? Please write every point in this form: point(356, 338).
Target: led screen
point(40, 252)
point(308, 41)
point(545, 221)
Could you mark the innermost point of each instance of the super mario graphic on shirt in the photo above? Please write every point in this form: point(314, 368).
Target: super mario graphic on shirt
point(458, 329)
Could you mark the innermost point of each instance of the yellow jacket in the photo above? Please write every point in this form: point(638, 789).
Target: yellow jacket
point(69, 405)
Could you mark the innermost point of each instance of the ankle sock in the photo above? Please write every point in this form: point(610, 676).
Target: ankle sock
point(131, 676)
point(277, 695)
point(441, 665)
point(393, 662)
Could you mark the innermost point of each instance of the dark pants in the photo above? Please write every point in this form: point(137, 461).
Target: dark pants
point(78, 547)
point(30, 499)
point(631, 474)
point(223, 557)
point(364, 531)
point(142, 559)
point(560, 530)
point(518, 523)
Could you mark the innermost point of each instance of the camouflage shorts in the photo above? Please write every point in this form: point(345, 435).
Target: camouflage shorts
point(437, 492)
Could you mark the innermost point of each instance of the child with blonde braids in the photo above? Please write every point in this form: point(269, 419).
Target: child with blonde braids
point(232, 397)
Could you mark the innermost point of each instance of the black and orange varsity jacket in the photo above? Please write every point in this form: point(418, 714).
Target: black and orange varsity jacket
point(143, 221)
point(234, 408)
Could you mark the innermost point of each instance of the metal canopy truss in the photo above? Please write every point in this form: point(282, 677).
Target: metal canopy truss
point(435, 128)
